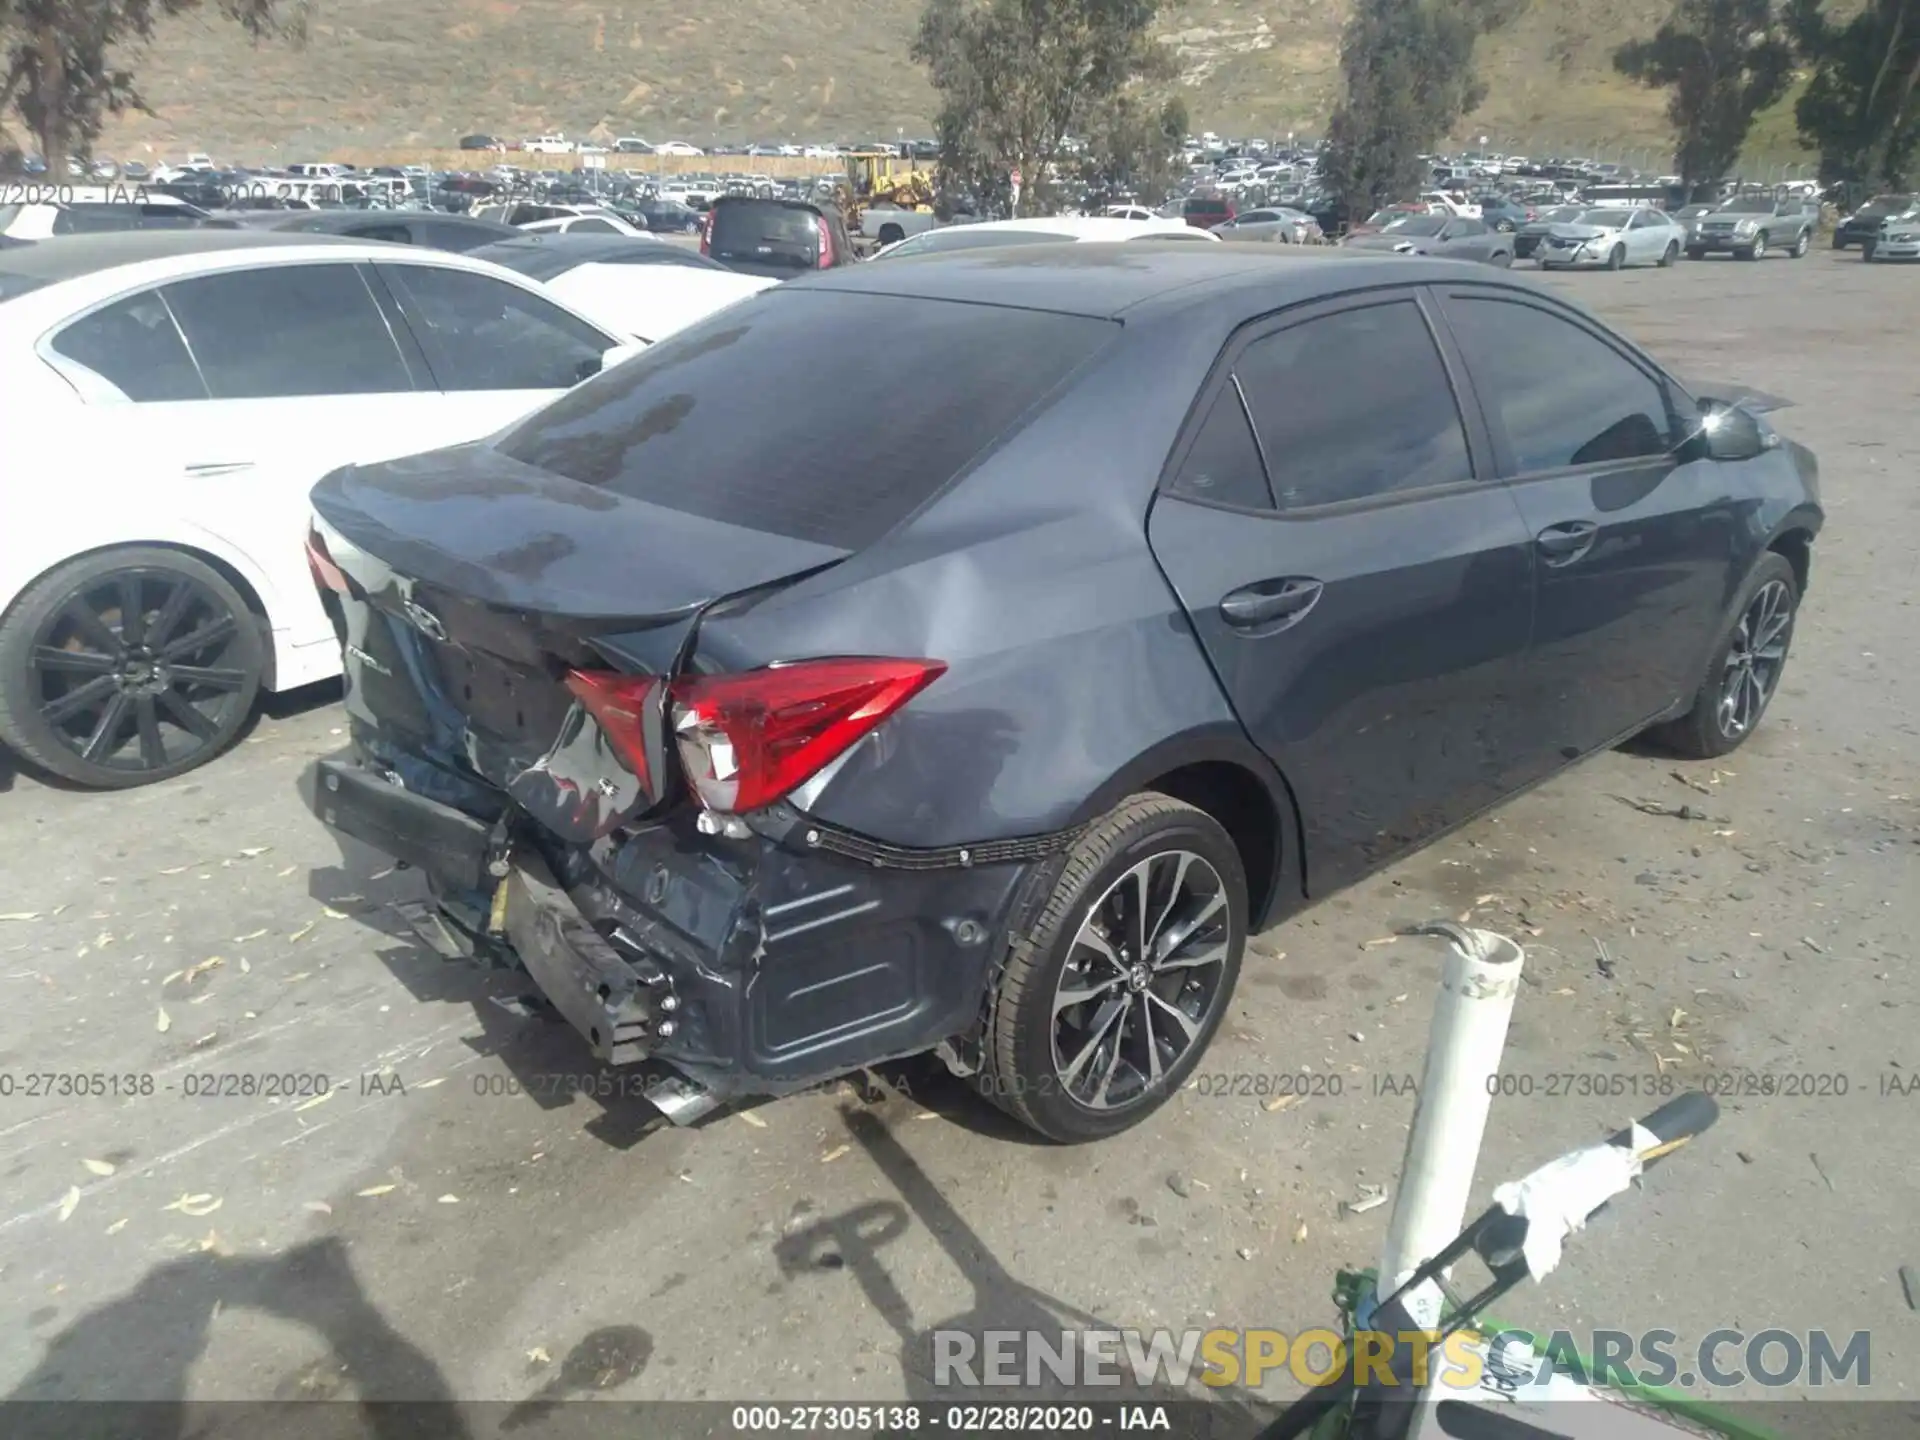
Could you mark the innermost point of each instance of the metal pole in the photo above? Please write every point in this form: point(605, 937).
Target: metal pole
point(1478, 984)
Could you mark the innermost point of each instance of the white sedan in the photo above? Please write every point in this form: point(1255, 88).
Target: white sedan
point(186, 389)
point(1611, 238)
point(1041, 229)
point(639, 287)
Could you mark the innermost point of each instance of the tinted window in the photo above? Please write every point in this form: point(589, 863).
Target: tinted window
point(1418, 225)
point(765, 231)
point(395, 234)
point(592, 225)
point(443, 236)
point(1224, 463)
point(484, 334)
point(288, 330)
point(134, 344)
point(1353, 405)
point(1465, 225)
point(779, 414)
point(1564, 397)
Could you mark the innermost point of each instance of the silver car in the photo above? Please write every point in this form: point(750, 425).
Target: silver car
point(1611, 238)
point(1275, 223)
point(1749, 227)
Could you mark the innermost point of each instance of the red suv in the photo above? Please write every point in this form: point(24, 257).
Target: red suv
point(1204, 214)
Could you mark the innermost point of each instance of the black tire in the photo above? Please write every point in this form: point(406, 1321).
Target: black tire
point(890, 233)
point(1757, 250)
point(1695, 254)
point(1670, 254)
point(1802, 245)
point(1021, 1068)
point(1617, 257)
point(1703, 732)
point(1866, 251)
point(144, 720)
point(1502, 259)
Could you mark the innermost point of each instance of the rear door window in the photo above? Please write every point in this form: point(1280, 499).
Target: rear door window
point(484, 334)
point(780, 415)
point(1353, 406)
point(134, 345)
point(288, 330)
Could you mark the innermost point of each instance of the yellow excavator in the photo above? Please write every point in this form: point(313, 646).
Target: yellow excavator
point(886, 177)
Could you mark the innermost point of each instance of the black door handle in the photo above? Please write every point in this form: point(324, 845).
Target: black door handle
point(1564, 543)
point(1266, 601)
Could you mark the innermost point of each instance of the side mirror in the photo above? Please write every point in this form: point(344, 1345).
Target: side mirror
point(1728, 432)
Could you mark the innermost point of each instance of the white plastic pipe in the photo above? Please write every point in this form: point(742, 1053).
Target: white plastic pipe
point(1478, 984)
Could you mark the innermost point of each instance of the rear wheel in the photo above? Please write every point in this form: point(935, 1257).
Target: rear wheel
point(1801, 246)
point(1107, 1003)
point(127, 667)
point(1694, 253)
point(1757, 250)
point(1745, 670)
point(1616, 257)
point(1866, 251)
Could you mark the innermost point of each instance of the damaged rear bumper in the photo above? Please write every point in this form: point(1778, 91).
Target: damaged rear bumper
point(752, 965)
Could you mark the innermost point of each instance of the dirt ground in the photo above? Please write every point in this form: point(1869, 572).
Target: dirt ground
point(455, 1220)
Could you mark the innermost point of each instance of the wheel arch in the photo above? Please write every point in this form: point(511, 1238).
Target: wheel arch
point(1219, 770)
point(1794, 541)
point(247, 584)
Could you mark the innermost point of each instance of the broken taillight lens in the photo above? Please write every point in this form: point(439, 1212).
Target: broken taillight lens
point(326, 574)
point(748, 739)
point(619, 703)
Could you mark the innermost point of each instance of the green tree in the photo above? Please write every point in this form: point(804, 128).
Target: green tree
point(1133, 145)
point(1860, 109)
point(66, 67)
point(1410, 77)
point(1016, 77)
point(1723, 61)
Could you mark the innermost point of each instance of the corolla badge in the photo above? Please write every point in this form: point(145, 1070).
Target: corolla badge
point(424, 620)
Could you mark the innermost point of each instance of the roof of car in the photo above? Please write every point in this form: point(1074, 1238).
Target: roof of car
point(544, 254)
point(1106, 279)
point(69, 256)
point(321, 222)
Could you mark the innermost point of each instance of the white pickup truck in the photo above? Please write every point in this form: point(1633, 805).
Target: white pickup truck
point(884, 222)
point(549, 145)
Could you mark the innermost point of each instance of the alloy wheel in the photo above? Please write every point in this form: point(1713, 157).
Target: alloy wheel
point(1141, 979)
point(1755, 658)
point(134, 670)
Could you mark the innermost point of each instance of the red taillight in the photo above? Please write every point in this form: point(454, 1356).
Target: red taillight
point(748, 739)
point(826, 242)
point(619, 703)
point(706, 232)
point(326, 574)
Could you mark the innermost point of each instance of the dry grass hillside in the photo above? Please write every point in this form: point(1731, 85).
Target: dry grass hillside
point(414, 73)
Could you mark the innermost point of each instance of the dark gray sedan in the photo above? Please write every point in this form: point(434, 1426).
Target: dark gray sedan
point(1450, 237)
point(1182, 586)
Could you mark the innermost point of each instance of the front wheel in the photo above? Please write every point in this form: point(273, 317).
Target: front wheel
point(1801, 246)
point(1744, 673)
point(1616, 257)
point(1866, 252)
point(1757, 250)
point(127, 667)
point(1669, 255)
point(1106, 1004)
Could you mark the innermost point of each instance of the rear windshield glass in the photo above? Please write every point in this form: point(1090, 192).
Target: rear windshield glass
point(783, 414)
point(744, 230)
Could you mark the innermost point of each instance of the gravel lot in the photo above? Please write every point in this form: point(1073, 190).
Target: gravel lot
point(455, 1220)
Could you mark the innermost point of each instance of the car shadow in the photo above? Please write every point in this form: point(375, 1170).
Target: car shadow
point(853, 1242)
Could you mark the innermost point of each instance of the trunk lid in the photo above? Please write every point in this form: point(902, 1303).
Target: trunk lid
point(475, 583)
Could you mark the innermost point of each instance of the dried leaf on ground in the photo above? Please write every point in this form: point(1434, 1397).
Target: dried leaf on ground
point(117, 1226)
point(250, 935)
point(320, 1099)
point(753, 1120)
point(319, 1207)
point(69, 1203)
point(193, 972)
point(163, 1022)
point(449, 1199)
point(100, 1167)
point(254, 851)
point(21, 915)
point(372, 1190)
point(1300, 1235)
point(539, 1356)
point(302, 932)
point(196, 1205)
point(1279, 1102)
point(834, 1154)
